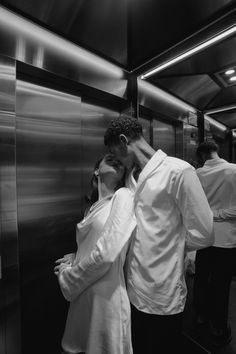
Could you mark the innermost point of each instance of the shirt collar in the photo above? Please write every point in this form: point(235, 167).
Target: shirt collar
point(215, 161)
point(152, 164)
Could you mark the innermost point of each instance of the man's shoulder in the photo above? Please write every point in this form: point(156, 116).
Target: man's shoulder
point(224, 167)
point(232, 166)
point(178, 165)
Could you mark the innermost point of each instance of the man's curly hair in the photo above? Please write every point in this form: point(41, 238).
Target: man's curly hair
point(128, 126)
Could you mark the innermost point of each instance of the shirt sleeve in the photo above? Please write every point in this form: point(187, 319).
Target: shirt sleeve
point(224, 214)
point(196, 213)
point(115, 234)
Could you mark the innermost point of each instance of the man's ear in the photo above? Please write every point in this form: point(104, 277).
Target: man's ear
point(123, 140)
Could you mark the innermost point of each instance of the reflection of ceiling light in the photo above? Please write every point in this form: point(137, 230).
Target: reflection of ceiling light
point(232, 78)
point(215, 123)
point(190, 52)
point(229, 72)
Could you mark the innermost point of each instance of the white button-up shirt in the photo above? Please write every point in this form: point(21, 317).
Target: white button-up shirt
point(173, 216)
point(218, 179)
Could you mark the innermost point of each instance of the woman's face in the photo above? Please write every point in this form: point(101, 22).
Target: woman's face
point(111, 165)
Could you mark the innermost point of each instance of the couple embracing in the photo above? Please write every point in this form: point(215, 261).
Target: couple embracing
point(126, 283)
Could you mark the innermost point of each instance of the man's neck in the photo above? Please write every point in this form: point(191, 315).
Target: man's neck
point(143, 152)
point(213, 155)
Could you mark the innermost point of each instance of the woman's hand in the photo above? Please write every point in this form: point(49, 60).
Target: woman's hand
point(60, 267)
point(64, 262)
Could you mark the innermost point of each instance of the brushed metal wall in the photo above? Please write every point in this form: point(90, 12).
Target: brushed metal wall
point(9, 272)
point(58, 140)
point(190, 144)
point(147, 131)
point(164, 137)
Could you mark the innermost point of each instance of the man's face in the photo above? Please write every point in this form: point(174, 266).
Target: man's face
point(122, 153)
point(118, 151)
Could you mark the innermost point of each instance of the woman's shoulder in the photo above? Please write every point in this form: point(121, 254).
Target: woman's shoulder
point(123, 192)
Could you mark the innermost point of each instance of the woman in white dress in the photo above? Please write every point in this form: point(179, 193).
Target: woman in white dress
point(98, 320)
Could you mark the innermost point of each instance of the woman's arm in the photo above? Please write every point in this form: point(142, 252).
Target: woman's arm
point(115, 234)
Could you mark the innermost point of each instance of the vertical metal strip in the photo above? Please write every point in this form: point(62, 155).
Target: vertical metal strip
point(9, 284)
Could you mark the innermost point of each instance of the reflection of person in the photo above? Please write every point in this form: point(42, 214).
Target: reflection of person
point(218, 178)
point(99, 315)
point(173, 216)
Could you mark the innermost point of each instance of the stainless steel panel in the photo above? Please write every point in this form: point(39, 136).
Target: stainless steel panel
point(159, 101)
point(94, 123)
point(190, 144)
point(9, 290)
point(27, 42)
point(164, 137)
point(234, 148)
point(58, 141)
point(146, 124)
point(50, 199)
point(179, 141)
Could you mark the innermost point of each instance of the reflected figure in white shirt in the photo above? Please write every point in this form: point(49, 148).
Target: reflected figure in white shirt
point(173, 217)
point(92, 280)
point(215, 265)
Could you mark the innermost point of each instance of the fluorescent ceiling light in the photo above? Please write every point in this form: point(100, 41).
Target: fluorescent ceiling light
point(229, 72)
point(220, 109)
point(232, 78)
point(190, 52)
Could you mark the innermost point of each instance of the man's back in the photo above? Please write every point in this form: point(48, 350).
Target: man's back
point(218, 179)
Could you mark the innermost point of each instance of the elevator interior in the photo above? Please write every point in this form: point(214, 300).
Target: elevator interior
point(55, 103)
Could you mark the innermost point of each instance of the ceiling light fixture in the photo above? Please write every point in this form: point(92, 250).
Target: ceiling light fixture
point(232, 78)
point(230, 72)
point(190, 52)
point(220, 109)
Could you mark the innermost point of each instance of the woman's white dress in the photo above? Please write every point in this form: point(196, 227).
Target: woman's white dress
point(98, 320)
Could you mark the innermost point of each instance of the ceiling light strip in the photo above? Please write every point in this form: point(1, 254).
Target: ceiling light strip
point(220, 109)
point(190, 52)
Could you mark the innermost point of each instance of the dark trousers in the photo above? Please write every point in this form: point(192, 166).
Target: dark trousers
point(201, 290)
point(214, 269)
point(153, 334)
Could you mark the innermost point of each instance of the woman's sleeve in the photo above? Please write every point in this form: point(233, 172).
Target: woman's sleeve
point(115, 234)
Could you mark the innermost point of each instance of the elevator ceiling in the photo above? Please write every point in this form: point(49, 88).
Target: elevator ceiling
point(140, 34)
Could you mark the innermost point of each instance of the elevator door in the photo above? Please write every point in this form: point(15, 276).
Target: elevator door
point(58, 140)
point(49, 201)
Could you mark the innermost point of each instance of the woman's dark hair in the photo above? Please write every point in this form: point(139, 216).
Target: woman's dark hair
point(93, 196)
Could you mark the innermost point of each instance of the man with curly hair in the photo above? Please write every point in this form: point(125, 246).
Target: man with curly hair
point(173, 217)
